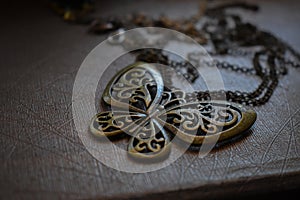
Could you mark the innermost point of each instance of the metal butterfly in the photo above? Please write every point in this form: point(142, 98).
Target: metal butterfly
point(142, 107)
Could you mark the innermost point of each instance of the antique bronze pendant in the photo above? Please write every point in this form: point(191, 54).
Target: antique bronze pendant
point(150, 113)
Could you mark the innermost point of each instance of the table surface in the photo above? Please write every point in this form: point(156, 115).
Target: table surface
point(42, 156)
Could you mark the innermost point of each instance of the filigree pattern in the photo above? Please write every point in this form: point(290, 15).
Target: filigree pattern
point(143, 108)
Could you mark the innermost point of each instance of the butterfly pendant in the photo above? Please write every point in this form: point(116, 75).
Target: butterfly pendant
point(140, 106)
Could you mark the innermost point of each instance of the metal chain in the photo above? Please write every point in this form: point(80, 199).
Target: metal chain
point(258, 97)
point(261, 94)
point(232, 67)
point(230, 41)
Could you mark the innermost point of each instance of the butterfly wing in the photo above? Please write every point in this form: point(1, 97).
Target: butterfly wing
point(137, 88)
point(113, 123)
point(194, 122)
point(130, 96)
point(150, 141)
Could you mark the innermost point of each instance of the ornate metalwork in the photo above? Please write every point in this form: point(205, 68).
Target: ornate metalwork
point(142, 107)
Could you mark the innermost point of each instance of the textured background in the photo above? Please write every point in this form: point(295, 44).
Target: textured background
point(42, 157)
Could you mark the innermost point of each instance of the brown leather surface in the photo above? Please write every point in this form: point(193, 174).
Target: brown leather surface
point(43, 157)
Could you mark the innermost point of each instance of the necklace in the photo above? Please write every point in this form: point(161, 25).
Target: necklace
point(151, 114)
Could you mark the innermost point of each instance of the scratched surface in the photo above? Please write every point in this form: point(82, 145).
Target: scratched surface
point(42, 156)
